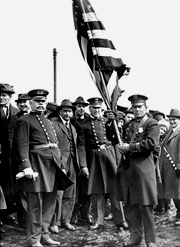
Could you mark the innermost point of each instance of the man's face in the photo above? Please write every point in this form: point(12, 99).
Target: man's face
point(174, 122)
point(129, 116)
point(4, 98)
point(95, 111)
point(23, 105)
point(162, 130)
point(158, 117)
point(139, 110)
point(80, 109)
point(38, 106)
point(66, 113)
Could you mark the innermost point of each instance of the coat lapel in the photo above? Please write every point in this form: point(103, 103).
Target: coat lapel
point(63, 127)
point(174, 134)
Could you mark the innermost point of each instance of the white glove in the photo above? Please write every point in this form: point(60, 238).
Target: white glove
point(29, 173)
point(85, 172)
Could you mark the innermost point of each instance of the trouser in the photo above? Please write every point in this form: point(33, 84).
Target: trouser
point(117, 211)
point(40, 209)
point(82, 208)
point(140, 220)
point(65, 200)
point(21, 204)
point(177, 205)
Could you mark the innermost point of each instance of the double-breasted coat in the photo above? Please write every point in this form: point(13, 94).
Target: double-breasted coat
point(171, 182)
point(101, 162)
point(33, 130)
point(138, 176)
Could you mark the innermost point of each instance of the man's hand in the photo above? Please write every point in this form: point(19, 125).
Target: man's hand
point(85, 172)
point(29, 173)
point(124, 148)
point(110, 115)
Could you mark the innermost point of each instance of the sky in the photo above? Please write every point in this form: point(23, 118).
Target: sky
point(145, 33)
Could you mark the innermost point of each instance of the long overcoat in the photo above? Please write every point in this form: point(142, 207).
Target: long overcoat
point(32, 130)
point(6, 167)
point(171, 183)
point(138, 177)
point(100, 162)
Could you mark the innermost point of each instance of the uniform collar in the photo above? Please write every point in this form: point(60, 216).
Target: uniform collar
point(95, 118)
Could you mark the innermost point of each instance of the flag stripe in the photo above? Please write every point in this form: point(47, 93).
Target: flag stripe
point(105, 52)
point(99, 53)
point(103, 43)
point(97, 34)
point(90, 16)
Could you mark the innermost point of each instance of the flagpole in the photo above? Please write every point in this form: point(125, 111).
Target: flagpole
point(54, 59)
point(107, 100)
point(120, 142)
point(114, 121)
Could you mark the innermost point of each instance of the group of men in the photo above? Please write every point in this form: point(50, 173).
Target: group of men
point(57, 166)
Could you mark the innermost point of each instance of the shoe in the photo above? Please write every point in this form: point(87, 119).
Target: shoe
point(68, 226)
point(9, 219)
point(54, 229)
point(88, 219)
point(123, 225)
point(37, 244)
point(177, 222)
point(109, 217)
point(150, 244)
point(97, 226)
point(131, 242)
point(50, 241)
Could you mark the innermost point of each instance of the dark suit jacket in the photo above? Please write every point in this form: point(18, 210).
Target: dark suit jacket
point(64, 142)
point(6, 168)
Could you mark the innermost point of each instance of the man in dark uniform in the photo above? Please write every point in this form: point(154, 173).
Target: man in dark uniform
point(8, 120)
point(39, 160)
point(23, 104)
point(82, 207)
point(138, 177)
point(98, 162)
point(67, 137)
point(21, 200)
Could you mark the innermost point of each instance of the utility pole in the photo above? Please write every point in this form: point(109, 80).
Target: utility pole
point(55, 86)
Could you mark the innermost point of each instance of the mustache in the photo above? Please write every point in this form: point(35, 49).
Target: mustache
point(41, 107)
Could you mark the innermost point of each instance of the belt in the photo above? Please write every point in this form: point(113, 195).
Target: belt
point(103, 146)
point(100, 147)
point(48, 145)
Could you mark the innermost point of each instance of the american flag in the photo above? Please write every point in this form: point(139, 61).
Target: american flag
point(104, 64)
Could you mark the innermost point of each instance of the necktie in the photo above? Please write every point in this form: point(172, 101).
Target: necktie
point(67, 125)
point(4, 112)
point(7, 112)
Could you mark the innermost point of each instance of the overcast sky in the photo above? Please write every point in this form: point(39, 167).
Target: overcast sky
point(145, 32)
